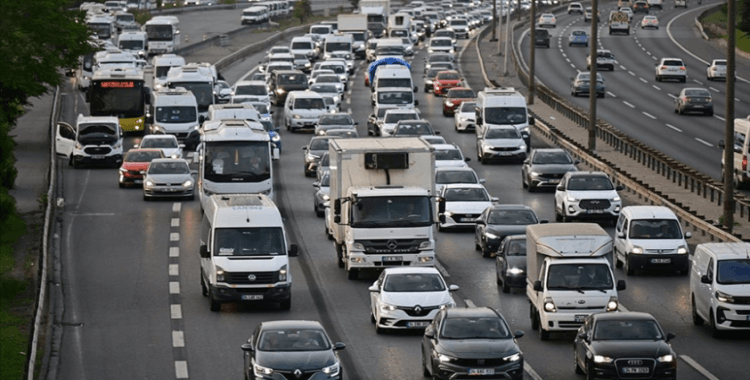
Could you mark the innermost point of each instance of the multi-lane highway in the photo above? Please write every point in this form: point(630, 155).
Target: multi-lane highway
point(635, 102)
point(134, 309)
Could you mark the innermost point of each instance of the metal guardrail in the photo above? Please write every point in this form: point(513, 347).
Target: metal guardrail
point(680, 174)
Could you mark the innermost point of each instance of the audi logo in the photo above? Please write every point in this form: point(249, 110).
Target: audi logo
point(635, 362)
point(251, 277)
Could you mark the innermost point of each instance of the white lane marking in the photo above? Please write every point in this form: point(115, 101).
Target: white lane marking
point(348, 101)
point(673, 127)
point(174, 287)
point(531, 372)
point(174, 236)
point(611, 94)
point(713, 89)
point(655, 59)
point(631, 73)
point(441, 269)
point(552, 118)
point(349, 111)
point(704, 142)
point(642, 48)
point(572, 65)
point(174, 251)
point(698, 367)
point(736, 100)
point(175, 311)
point(697, 81)
point(174, 269)
point(568, 60)
point(564, 55)
point(720, 118)
point(470, 303)
point(178, 339)
point(628, 104)
point(672, 96)
point(656, 87)
point(175, 222)
point(649, 115)
point(176, 207)
point(180, 369)
point(643, 80)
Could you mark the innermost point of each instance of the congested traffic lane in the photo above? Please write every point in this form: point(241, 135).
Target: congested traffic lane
point(642, 107)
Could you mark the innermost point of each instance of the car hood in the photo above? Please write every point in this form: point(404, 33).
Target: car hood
point(503, 143)
point(168, 152)
point(445, 81)
point(450, 163)
point(460, 100)
point(478, 348)
point(318, 153)
point(416, 298)
point(135, 166)
point(592, 194)
point(169, 178)
point(289, 361)
point(466, 207)
point(552, 169)
point(468, 115)
point(505, 230)
point(631, 348)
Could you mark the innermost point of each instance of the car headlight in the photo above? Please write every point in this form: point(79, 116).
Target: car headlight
point(429, 82)
point(430, 50)
point(326, 197)
point(723, 297)
point(490, 235)
point(513, 358)
point(522, 147)
point(637, 250)
point(275, 138)
point(307, 64)
point(448, 214)
point(425, 244)
point(449, 103)
point(535, 174)
point(79, 146)
point(665, 359)
point(386, 307)
point(336, 99)
point(682, 250)
point(616, 199)
point(446, 358)
point(149, 183)
point(451, 51)
point(175, 156)
point(296, 116)
point(358, 247)
point(259, 370)
point(549, 306)
point(602, 359)
point(612, 304)
point(220, 274)
point(280, 91)
point(282, 273)
point(187, 184)
point(571, 199)
point(311, 157)
point(332, 370)
point(514, 271)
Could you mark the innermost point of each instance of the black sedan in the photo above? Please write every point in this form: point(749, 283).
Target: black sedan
point(471, 342)
point(694, 100)
point(545, 167)
point(499, 221)
point(510, 263)
point(624, 345)
point(293, 349)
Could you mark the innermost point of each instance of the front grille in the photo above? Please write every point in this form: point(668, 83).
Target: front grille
point(594, 204)
point(551, 176)
point(479, 362)
point(569, 324)
point(742, 300)
point(165, 184)
point(97, 150)
point(620, 364)
point(458, 217)
point(252, 290)
point(504, 149)
point(291, 376)
point(581, 308)
point(181, 135)
point(424, 310)
point(661, 251)
point(259, 278)
point(392, 245)
point(391, 263)
point(743, 324)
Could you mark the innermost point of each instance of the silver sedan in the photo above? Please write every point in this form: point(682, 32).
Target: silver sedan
point(168, 177)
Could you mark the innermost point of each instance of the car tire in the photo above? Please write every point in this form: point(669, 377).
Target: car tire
point(657, 78)
point(558, 216)
point(319, 213)
point(697, 319)
point(628, 266)
point(532, 188)
point(425, 370)
point(477, 246)
point(379, 330)
point(121, 185)
point(683, 80)
point(286, 305)
point(715, 332)
point(543, 334)
point(600, 96)
point(523, 182)
point(710, 113)
point(145, 198)
point(204, 288)
point(214, 305)
point(578, 368)
point(486, 253)
point(352, 274)
point(618, 262)
point(590, 371)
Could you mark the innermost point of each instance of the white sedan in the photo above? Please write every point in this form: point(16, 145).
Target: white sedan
point(167, 143)
point(408, 298)
point(547, 20)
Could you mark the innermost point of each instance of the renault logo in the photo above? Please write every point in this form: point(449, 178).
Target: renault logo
point(297, 373)
point(635, 362)
point(391, 244)
point(251, 277)
point(417, 309)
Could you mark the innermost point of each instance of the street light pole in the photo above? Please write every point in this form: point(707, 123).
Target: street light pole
point(532, 58)
point(729, 122)
point(494, 20)
point(592, 74)
point(507, 39)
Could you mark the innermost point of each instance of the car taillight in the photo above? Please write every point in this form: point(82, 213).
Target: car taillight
point(664, 67)
point(685, 99)
point(682, 67)
point(744, 163)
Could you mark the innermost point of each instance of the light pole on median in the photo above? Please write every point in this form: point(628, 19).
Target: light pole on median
point(532, 58)
point(729, 122)
point(593, 39)
point(494, 20)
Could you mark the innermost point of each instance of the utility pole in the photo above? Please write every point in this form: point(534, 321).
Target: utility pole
point(532, 42)
point(507, 39)
point(494, 20)
point(729, 122)
point(593, 39)
point(500, 27)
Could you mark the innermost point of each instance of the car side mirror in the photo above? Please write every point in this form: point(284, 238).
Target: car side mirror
point(582, 335)
point(437, 133)
point(247, 347)
point(441, 218)
point(721, 144)
point(429, 333)
point(337, 206)
point(494, 199)
point(416, 89)
point(482, 222)
point(482, 180)
point(453, 288)
point(543, 221)
point(374, 289)
point(526, 161)
point(532, 120)
point(416, 102)
point(621, 285)
point(670, 336)
point(518, 334)
point(619, 188)
point(293, 250)
point(538, 286)
point(356, 123)
point(467, 159)
point(688, 235)
point(304, 147)
point(621, 235)
point(181, 146)
point(316, 184)
point(203, 251)
point(576, 162)
point(560, 188)
point(201, 119)
point(339, 346)
point(143, 172)
point(705, 280)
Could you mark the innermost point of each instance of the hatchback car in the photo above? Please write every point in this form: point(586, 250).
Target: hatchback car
point(392, 117)
point(587, 195)
point(578, 37)
point(547, 20)
point(134, 162)
point(256, 89)
point(581, 84)
point(501, 143)
point(168, 177)
point(510, 263)
point(465, 117)
point(449, 155)
point(575, 8)
point(412, 128)
point(640, 7)
point(624, 345)
point(694, 100)
point(437, 57)
point(455, 97)
point(167, 143)
point(545, 168)
point(445, 80)
point(498, 221)
point(650, 22)
point(440, 45)
point(291, 349)
point(604, 60)
point(717, 69)
point(312, 153)
point(462, 204)
point(408, 298)
point(452, 175)
point(541, 37)
point(471, 342)
point(671, 68)
point(331, 80)
point(321, 195)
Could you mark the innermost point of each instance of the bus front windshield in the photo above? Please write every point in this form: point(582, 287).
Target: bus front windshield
point(131, 45)
point(159, 32)
point(122, 101)
point(102, 30)
point(237, 161)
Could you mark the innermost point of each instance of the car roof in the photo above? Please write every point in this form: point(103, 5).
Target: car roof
point(655, 212)
point(510, 207)
point(622, 315)
point(410, 270)
point(167, 160)
point(445, 147)
point(459, 312)
point(454, 168)
point(465, 186)
point(290, 324)
point(154, 137)
point(589, 174)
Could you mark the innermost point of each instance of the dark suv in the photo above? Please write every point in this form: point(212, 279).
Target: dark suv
point(542, 37)
point(640, 6)
point(280, 83)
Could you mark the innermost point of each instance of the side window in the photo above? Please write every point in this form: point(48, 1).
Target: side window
point(710, 270)
point(66, 131)
point(739, 141)
point(501, 250)
point(381, 278)
point(543, 273)
point(205, 231)
point(620, 223)
point(625, 225)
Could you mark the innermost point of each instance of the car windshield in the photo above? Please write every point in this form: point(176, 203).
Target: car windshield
point(142, 156)
point(309, 103)
point(262, 108)
point(390, 50)
point(448, 155)
point(458, 22)
point(502, 133)
point(395, 97)
point(323, 88)
point(505, 115)
point(698, 93)
point(720, 63)
point(551, 158)
point(158, 143)
point(455, 176)
point(292, 79)
point(338, 69)
point(257, 241)
point(471, 194)
point(516, 247)
point(448, 76)
point(342, 119)
point(393, 118)
point(461, 94)
point(468, 107)
point(655, 229)
point(168, 168)
point(441, 43)
point(413, 282)
point(578, 33)
point(319, 144)
point(627, 329)
point(432, 73)
point(512, 217)
point(320, 30)
point(251, 90)
point(325, 181)
point(445, 33)
point(176, 114)
point(439, 58)
point(293, 340)
point(267, 125)
point(413, 129)
point(395, 82)
point(597, 182)
point(302, 45)
point(672, 63)
point(391, 211)
point(327, 79)
point(579, 277)
point(733, 272)
point(474, 328)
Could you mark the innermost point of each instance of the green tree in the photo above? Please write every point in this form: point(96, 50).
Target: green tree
point(302, 10)
point(745, 16)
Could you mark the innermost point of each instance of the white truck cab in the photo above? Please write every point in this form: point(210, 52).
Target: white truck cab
point(244, 251)
point(95, 140)
point(174, 111)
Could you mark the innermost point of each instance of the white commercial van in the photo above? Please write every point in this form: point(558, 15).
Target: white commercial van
point(254, 15)
point(95, 140)
point(104, 27)
point(304, 45)
point(198, 79)
point(162, 63)
point(741, 171)
point(337, 43)
point(134, 42)
point(244, 251)
point(503, 106)
point(720, 286)
point(392, 76)
point(174, 111)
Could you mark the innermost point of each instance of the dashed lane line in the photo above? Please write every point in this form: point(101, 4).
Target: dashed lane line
point(178, 339)
point(713, 89)
point(649, 115)
point(628, 104)
point(174, 269)
point(611, 94)
point(175, 222)
point(174, 236)
point(631, 73)
point(643, 80)
point(175, 311)
point(672, 96)
point(698, 367)
point(656, 87)
point(174, 287)
point(531, 372)
point(181, 369)
point(697, 81)
point(174, 251)
point(673, 127)
point(176, 207)
point(720, 118)
point(704, 142)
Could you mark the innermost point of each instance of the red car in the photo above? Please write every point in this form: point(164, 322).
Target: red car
point(446, 80)
point(135, 161)
point(455, 97)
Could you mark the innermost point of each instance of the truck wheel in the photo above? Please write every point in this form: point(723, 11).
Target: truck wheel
point(628, 266)
point(204, 288)
point(214, 304)
point(286, 305)
point(339, 255)
point(697, 319)
point(543, 334)
point(506, 287)
point(534, 318)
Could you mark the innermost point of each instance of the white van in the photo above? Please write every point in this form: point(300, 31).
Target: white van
point(304, 45)
point(302, 108)
point(650, 237)
point(392, 76)
point(720, 286)
point(133, 42)
point(741, 169)
point(254, 15)
point(337, 43)
point(95, 140)
point(503, 106)
point(243, 250)
point(174, 111)
point(162, 63)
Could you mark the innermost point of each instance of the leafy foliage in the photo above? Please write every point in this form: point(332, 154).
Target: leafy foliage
point(302, 10)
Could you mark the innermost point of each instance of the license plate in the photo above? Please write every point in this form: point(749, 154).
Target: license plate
point(138, 181)
point(169, 190)
point(594, 211)
point(417, 324)
point(748, 317)
point(661, 261)
point(468, 220)
point(481, 371)
point(97, 157)
point(580, 318)
point(252, 297)
point(635, 370)
point(393, 258)
point(554, 181)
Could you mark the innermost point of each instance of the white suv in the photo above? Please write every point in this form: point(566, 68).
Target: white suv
point(575, 8)
point(587, 195)
point(671, 68)
point(461, 204)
